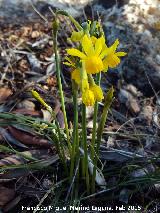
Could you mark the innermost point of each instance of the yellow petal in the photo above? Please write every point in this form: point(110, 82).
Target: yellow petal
point(98, 46)
point(105, 52)
point(67, 63)
point(87, 45)
point(105, 64)
point(94, 39)
point(102, 38)
point(88, 98)
point(93, 65)
point(75, 52)
point(97, 91)
point(76, 76)
point(69, 60)
point(114, 45)
point(120, 54)
point(113, 61)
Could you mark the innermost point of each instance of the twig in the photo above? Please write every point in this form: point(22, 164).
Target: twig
point(35, 9)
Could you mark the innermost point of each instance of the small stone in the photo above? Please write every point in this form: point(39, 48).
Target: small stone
point(89, 112)
point(139, 173)
point(4, 94)
point(90, 124)
point(158, 59)
point(123, 96)
point(129, 100)
point(131, 88)
point(47, 183)
point(50, 43)
point(157, 186)
point(147, 113)
point(35, 34)
point(26, 104)
point(133, 106)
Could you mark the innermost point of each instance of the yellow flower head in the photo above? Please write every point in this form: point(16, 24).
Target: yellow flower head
point(75, 74)
point(112, 57)
point(77, 36)
point(91, 54)
point(88, 98)
point(97, 91)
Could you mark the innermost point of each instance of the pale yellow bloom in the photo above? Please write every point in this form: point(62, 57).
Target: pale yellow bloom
point(91, 54)
point(88, 98)
point(112, 57)
point(97, 91)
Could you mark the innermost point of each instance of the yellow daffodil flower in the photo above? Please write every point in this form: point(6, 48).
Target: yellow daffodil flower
point(88, 97)
point(97, 91)
point(91, 54)
point(112, 57)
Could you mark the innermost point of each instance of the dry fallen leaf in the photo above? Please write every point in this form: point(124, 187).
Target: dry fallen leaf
point(60, 119)
point(6, 195)
point(18, 160)
point(12, 203)
point(27, 138)
point(4, 94)
point(26, 31)
point(27, 112)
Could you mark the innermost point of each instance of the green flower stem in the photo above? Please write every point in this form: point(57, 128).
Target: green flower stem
point(60, 148)
point(75, 145)
point(91, 80)
point(84, 139)
point(55, 31)
point(107, 104)
point(94, 136)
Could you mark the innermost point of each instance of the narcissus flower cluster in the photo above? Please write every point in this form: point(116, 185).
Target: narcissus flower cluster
point(90, 58)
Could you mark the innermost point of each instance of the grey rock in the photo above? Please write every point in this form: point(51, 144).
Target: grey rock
point(158, 59)
point(129, 100)
point(26, 104)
